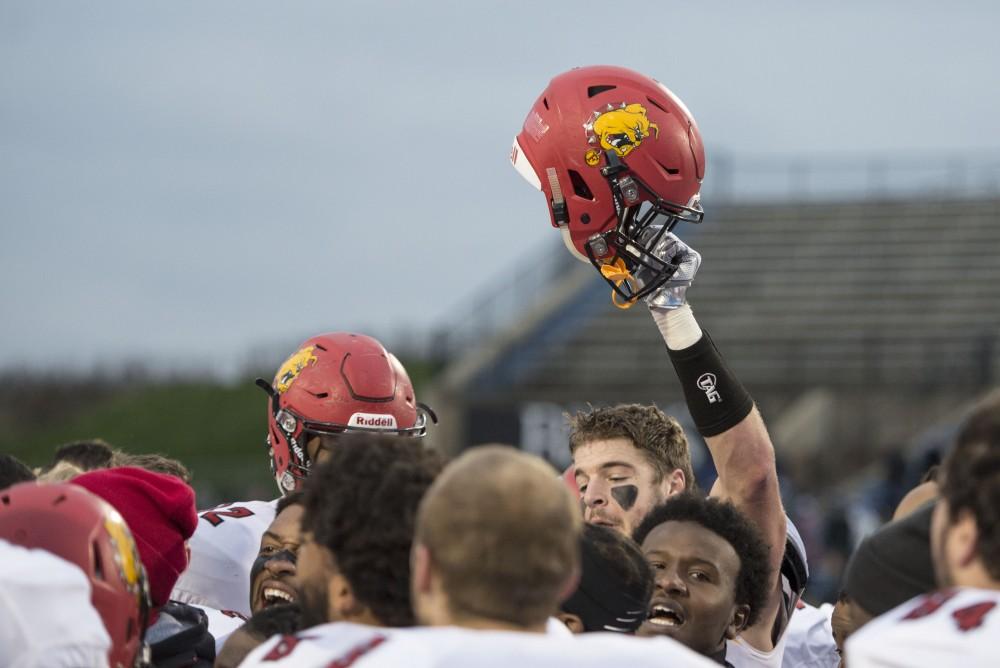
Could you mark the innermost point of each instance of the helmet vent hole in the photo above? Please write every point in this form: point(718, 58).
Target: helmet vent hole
point(672, 171)
point(5, 499)
point(59, 499)
point(597, 90)
point(98, 562)
point(319, 347)
point(320, 395)
point(658, 105)
point(580, 186)
point(545, 101)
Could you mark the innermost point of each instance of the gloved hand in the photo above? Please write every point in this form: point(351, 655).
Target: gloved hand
point(672, 294)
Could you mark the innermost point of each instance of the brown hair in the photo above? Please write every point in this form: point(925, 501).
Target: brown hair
point(503, 534)
point(654, 433)
point(971, 477)
point(152, 461)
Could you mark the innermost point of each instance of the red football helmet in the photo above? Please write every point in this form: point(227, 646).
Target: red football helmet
point(81, 528)
point(335, 383)
point(620, 161)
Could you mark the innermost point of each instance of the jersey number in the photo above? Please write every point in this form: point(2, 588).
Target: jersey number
point(967, 618)
point(972, 616)
point(215, 517)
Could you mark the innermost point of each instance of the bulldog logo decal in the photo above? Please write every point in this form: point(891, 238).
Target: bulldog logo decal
point(292, 367)
point(619, 129)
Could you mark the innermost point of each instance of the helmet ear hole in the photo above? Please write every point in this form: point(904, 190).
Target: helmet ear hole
point(98, 562)
point(580, 187)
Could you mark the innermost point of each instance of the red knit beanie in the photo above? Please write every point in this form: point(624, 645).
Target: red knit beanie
point(160, 511)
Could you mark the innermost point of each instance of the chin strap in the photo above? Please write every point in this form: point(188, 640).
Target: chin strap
point(618, 273)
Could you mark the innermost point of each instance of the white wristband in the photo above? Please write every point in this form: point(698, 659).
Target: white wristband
point(677, 326)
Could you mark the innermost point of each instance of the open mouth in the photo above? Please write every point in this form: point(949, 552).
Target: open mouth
point(272, 594)
point(665, 616)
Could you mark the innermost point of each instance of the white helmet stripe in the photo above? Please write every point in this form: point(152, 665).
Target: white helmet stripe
point(523, 166)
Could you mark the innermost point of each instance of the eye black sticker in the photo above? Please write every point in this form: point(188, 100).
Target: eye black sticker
point(625, 495)
point(261, 561)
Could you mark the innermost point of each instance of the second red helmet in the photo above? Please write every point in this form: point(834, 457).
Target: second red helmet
point(335, 383)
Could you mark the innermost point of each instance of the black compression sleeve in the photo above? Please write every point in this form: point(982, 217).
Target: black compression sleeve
point(715, 397)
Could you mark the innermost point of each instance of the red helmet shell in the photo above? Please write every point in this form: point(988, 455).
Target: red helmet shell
point(589, 110)
point(334, 383)
point(81, 528)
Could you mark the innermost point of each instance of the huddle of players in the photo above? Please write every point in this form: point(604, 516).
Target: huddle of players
point(379, 554)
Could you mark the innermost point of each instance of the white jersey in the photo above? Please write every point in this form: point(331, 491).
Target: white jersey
point(223, 549)
point(46, 618)
point(359, 646)
point(221, 623)
point(950, 627)
point(810, 638)
point(742, 654)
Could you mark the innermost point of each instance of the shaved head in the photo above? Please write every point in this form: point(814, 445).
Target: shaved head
point(502, 532)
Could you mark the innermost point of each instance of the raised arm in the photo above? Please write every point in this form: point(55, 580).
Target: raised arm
point(726, 416)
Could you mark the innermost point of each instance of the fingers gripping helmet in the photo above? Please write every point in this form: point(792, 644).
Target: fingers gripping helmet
point(332, 384)
point(620, 160)
point(81, 528)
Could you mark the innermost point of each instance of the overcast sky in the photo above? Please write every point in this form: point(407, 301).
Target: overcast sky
point(183, 182)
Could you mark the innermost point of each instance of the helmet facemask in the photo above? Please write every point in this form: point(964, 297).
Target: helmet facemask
point(635, 257)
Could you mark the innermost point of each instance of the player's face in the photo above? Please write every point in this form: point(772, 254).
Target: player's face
point(318, 447)
point(693, 600)
point(272, 577)
point(618, 487)
point(315, 568)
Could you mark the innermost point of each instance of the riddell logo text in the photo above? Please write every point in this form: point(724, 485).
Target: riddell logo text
point(372, 420)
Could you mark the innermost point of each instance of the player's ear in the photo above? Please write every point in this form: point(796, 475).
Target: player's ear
point(343, 605)
point(965, 536)
point(674, 483)
point(738, 622)
point(572, 622)
point(420, 567)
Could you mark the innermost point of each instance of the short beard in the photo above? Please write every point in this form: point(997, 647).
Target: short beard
point(315, 604)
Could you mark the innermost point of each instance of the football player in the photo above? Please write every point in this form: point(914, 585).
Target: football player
point(958, 624)
point(496, 548)
point(711, 572)
point(81, 529)
point(615, 584)
point(620, 161)
point(333, 384)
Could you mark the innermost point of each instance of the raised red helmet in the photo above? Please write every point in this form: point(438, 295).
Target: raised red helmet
point(332, 384)
point(81, 528)
point(620, 160)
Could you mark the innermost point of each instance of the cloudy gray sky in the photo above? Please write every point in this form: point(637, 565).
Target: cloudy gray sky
point(182, 182)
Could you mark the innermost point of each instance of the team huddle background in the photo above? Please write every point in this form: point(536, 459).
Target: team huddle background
point(189, 190)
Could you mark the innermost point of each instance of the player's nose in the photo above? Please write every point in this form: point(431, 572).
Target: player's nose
point(670, 581)
point(595, 495)
point(282, 562)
